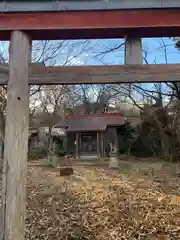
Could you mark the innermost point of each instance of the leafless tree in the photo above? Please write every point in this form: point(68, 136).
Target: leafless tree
point(48, 53)
point(49, 108)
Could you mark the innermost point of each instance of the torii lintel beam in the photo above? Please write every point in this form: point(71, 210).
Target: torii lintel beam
point(42, 75)
point(92, 24)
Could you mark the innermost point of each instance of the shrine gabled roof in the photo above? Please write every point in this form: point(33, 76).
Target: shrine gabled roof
point(91, 122)
point(82, 5)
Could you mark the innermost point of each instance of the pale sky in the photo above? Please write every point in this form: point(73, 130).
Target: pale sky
point(74, 52)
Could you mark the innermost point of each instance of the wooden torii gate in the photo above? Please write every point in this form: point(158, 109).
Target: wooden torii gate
point(23, 27)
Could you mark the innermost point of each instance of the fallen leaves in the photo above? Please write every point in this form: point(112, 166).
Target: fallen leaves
point(98, 204)
point(101, 204)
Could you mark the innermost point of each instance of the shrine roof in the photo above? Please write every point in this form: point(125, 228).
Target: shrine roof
point(91, 122)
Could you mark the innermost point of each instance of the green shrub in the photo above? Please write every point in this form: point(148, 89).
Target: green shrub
point(127, 136)
point(147, 143)
point(142, 148)
point(60, 152)
point(37, 153)
point(142, 141)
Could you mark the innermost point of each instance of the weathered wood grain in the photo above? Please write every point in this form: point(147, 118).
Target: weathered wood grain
point(42, 75)
point(16, 140)
point(133, 50)
point(105, 74)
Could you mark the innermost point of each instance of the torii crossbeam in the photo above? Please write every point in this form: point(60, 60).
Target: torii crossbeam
point(92, 24)
point(106, 74)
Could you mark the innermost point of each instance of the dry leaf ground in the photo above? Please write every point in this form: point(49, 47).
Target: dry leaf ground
point(138, 201)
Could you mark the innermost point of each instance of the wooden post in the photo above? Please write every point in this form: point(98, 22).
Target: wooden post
point(133, 50)
point(98, 146)
point(16, 140)
point(77, 145)
point(102, 145)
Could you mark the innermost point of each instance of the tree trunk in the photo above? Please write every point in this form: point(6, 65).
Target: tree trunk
point(165, 140)
point(49, 145)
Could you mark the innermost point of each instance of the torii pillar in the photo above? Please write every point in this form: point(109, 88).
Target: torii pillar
point(133, 50)
point(16, 140)
point(133, 55)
